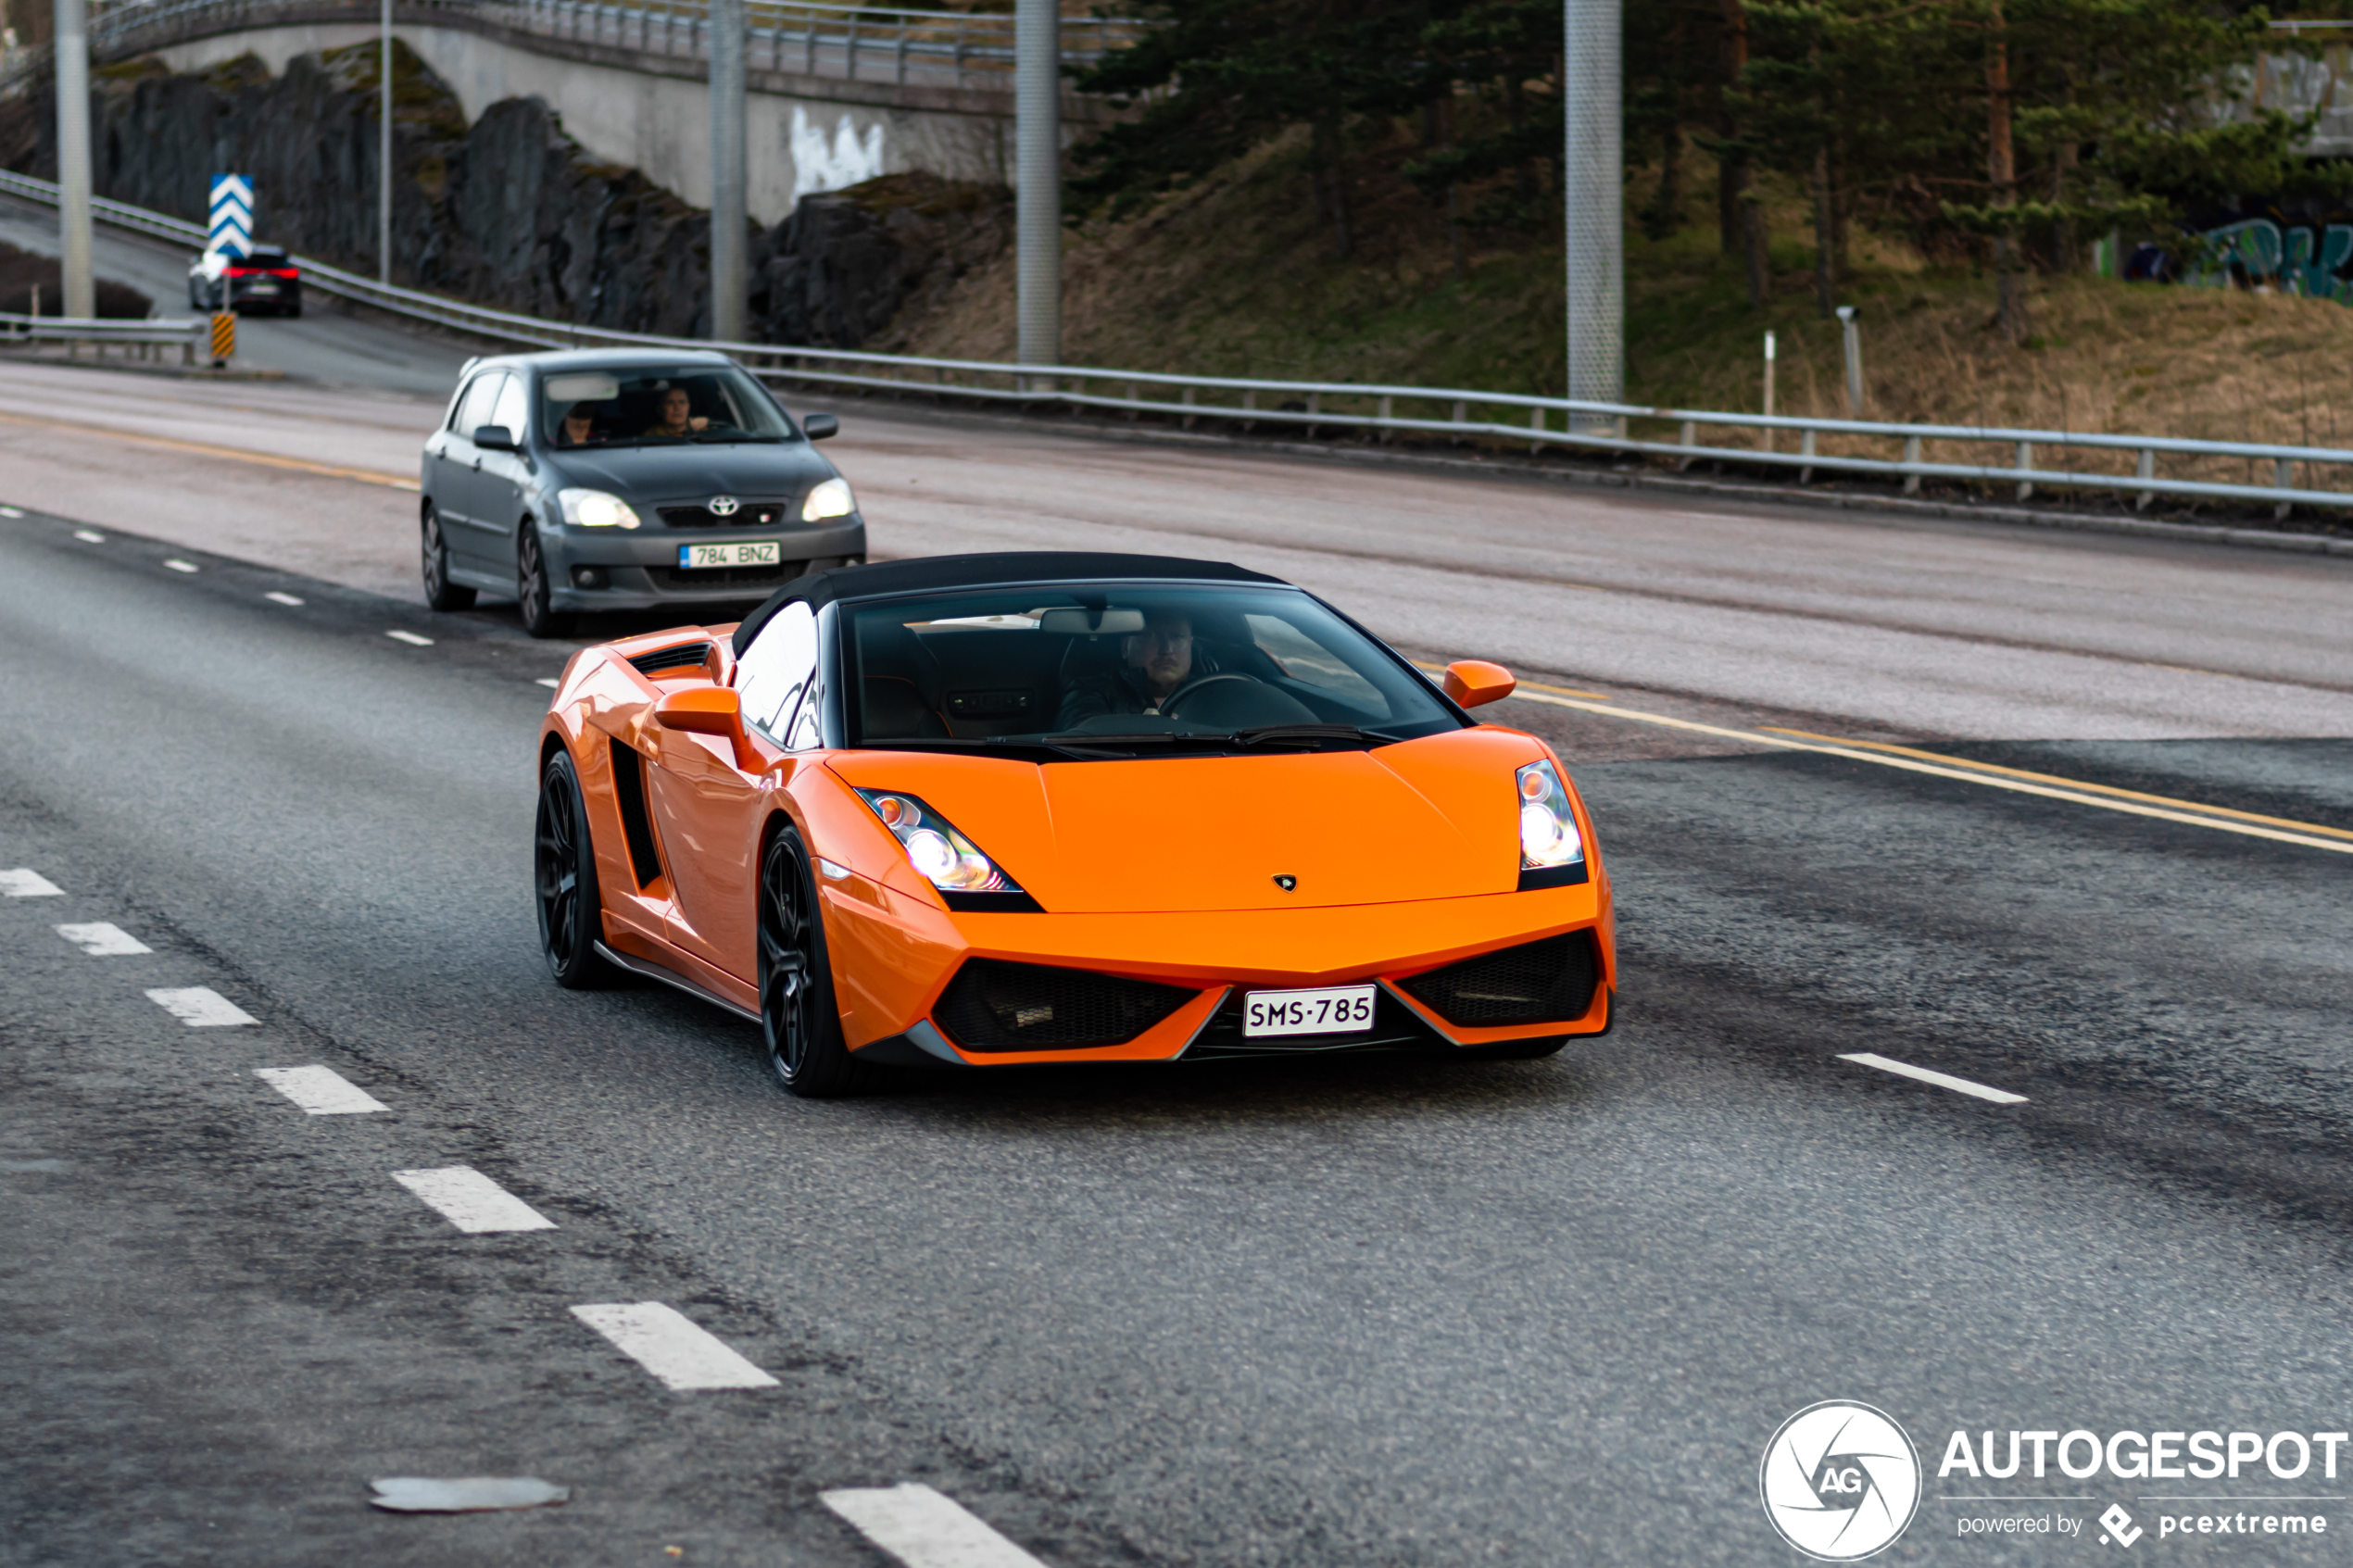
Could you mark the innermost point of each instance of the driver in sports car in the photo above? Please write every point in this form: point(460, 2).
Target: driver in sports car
point(1160, 663)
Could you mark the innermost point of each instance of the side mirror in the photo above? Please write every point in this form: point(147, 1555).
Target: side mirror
point(494, 438)
point(819, 426)
point(1472, 683)
point(709, 711)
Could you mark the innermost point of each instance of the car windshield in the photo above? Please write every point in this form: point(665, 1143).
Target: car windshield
point(1126, 670)
point(638, 406)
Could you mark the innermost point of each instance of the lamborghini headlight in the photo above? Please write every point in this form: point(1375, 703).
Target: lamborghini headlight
point(595, 509)
point(1548, 834)
point(946, 859)
point(830, 499)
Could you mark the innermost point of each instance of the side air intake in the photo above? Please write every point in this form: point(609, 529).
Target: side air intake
point(629, 784)
point(1546, 981)
point(996, 1006)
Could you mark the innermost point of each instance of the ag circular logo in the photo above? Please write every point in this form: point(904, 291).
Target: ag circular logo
point(723, 505)
point(1840, 1480)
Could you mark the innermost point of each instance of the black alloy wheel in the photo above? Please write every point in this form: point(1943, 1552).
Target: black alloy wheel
point(532, 588)
point(798, 1017)
point(440, 593)
point(564, 877)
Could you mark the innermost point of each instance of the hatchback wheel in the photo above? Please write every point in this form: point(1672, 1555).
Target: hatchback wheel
point(440, 593)
point(533, 589)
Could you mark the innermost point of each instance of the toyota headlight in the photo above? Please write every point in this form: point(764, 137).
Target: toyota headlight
point(595, 509)
point(946, 859)
point(1548, 835)
point(830, 499)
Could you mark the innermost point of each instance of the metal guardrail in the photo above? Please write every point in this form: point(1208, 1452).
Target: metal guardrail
point(75, 331)
point(804, 37)
point(1387, 410)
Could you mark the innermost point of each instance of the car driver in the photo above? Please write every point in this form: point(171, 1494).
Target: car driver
point(1160, 663)
point(678, 416)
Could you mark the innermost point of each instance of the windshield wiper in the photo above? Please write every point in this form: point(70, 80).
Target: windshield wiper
point(1280, 734)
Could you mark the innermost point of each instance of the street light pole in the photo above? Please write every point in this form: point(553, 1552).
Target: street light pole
point(1038, 178)
point(73, 157)
point(383, 160)
point(1592, 171)
point(730, 270)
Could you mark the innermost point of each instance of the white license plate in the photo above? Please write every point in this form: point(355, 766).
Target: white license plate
point(692, 555)
point(261, 288)
point(1329, 1010)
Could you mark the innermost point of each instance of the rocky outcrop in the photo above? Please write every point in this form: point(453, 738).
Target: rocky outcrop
point(507, 212)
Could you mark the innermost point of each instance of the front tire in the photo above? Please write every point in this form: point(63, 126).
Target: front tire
point(797, 1019)
point(533, 591)
point(571, 915)
point(440, 593)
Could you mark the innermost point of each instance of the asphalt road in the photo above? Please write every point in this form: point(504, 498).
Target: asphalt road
point(1358, 1313)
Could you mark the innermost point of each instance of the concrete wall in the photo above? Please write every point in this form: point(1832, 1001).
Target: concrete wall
point(807, 134)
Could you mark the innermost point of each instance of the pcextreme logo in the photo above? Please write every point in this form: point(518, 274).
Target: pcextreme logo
point(1840, 1480)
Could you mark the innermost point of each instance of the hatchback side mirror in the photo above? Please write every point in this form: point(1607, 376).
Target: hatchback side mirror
point(494, 438)
point(709, 711)
point(819, 426)
point(1472, 683)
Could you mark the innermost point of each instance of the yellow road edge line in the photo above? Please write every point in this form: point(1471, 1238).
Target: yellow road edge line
point(2072, 783)
point(365, 476)
point(1963, 776)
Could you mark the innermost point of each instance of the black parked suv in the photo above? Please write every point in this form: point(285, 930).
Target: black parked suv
point(595, 480)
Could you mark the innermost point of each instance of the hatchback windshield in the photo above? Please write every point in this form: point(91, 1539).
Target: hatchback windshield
point(1127, 669)
point(636, 405)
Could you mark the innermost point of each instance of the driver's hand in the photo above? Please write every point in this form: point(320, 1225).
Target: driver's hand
point(698, 423)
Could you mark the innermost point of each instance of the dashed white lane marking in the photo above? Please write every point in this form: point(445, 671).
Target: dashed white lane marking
point(23, 883)
point(1942, 1080)
point(277, 598)
point(472, 1201)
point(178, 565)
point(548, 681)
point(89, 536)
point(11, 512)
point(201, 1006)
point(103, 941)
point(321, 1091)
point(668, 1343)
point(923, 1529)
point(411, 638)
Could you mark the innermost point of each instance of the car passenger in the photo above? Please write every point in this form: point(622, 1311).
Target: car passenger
point(678, 416)
point(579, 426)
point(1160, 663)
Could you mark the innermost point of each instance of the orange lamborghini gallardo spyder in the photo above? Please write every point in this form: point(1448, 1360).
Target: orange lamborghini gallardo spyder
point(980, 810)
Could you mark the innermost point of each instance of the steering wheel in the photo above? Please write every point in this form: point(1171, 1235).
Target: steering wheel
point(1168, 709)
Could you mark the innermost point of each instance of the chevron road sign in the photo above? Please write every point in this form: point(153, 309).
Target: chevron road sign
point(232, 214)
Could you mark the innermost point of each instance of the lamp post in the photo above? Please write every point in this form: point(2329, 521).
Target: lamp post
point(383, 160)
point(1037, 180)
point(1592, 176)
point(730, 268)
point(73, 157)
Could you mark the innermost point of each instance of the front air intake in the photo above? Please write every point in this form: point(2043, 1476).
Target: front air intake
point(995, 1005)
point(1546, 981)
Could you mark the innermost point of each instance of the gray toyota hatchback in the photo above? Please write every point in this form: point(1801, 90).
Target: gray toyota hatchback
point(629, 478)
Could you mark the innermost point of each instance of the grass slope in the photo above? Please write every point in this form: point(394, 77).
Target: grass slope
point(1237, 276)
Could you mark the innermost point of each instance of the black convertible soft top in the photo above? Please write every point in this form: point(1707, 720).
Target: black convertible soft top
point(883, 579)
